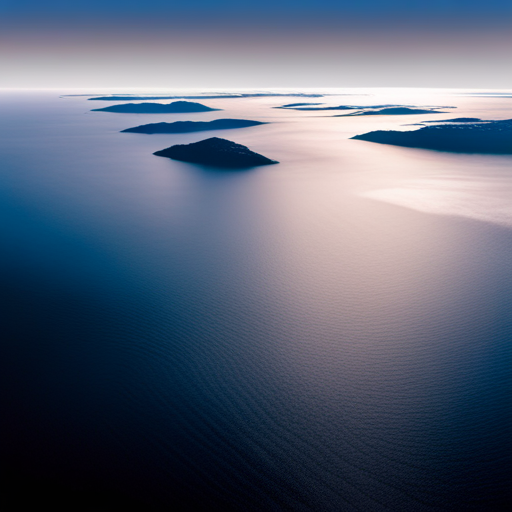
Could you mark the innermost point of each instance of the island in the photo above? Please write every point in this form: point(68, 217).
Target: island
point(192, 126)
point(456, 120)
point(216, 152)
point(307, 107)
point(393, 111)
point(176, 107)
point(366, 110)
point(312, 107)
point(487, 137)
point(293, 106)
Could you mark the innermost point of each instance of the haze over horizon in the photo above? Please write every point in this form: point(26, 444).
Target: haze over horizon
point(266, 44)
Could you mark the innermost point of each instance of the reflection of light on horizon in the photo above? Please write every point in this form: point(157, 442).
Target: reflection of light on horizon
point(481, 200)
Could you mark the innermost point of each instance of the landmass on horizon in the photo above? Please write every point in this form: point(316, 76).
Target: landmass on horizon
point(128, 97)
point(456, 120)
point(393, 111)
point(313, 106)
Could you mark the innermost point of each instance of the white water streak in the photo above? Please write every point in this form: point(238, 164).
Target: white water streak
point(480, 199)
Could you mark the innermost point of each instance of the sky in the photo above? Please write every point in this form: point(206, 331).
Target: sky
point(269, 43)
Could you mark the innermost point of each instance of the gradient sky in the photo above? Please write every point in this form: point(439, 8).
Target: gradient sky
point(228, 43)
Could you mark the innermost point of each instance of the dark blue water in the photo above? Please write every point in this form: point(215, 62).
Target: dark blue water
point(265, 340)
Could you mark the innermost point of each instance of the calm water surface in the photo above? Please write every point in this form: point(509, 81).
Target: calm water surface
point(332, 333)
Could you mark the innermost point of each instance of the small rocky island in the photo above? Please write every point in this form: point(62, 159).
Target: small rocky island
point(487, 137)
point(192, 126)
point(216, 152)
point(176, 107)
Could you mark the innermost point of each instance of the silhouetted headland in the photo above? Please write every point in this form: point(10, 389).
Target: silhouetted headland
point(490, 137)
point(176, 107)
point(216, 152)
point(393, 111)
point(193, 126)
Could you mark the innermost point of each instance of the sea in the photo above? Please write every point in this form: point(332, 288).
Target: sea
point(329, 334)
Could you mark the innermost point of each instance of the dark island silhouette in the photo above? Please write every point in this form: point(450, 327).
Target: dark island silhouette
point(128, 97)
point(176, 107)
point(454, 121)
point(192, 126)
point(310, 106)
point(457, 120)
point(293, 106)
point(216, 152)
point(394, 111)
point(367, 110)
point(313, 108)
point(488, 137)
